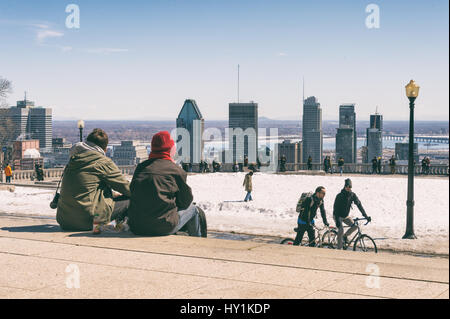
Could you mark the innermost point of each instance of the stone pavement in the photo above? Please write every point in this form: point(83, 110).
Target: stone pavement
point(37, 260)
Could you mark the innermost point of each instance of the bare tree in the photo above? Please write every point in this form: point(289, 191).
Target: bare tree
point(5, 89)
point(6, 123)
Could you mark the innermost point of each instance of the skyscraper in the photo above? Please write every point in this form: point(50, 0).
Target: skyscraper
point(346, 134)
point(243, 135)
point(312, 130)
point(374, 137)
point(402, 152)
point(190, 118)
point(30, 122)
point(291, 150)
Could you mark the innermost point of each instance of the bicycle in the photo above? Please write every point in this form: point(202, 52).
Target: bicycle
point(325, 240)
point(361, 242)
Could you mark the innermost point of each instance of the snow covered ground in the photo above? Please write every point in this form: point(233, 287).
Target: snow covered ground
point(272, 212)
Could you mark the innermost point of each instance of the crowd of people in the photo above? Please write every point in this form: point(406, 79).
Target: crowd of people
point(158, 201)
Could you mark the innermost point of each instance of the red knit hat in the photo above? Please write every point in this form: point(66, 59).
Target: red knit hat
point(162, 142)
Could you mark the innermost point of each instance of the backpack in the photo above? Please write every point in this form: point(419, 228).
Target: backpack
point(301, 200)
point(301, 209)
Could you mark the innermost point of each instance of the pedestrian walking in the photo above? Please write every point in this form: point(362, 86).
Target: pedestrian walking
point(248, 186)
point(341, 165)
point(8, 173)
point(307, 208)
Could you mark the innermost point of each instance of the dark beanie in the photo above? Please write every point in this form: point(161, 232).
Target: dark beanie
point(348, 182)
point(162, 141)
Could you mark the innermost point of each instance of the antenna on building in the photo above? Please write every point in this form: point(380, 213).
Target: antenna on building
point(376, 110)
point(303, 90)
point(25, 96)
point(238, 85)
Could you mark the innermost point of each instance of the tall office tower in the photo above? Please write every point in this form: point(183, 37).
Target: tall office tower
point(291, 150)
point(346, 134)
point(312, 130)
point(402, 152)
point(376, 121)
point(30, 122)
point(190, 119)
point(41, 127)
point(243, 134)
point(374, 137)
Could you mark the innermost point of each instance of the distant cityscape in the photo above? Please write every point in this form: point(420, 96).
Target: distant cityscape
point(29, 136)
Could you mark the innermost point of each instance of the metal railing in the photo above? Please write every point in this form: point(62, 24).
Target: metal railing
point(359, 168)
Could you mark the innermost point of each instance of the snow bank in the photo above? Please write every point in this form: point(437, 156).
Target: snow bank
point(272, 212)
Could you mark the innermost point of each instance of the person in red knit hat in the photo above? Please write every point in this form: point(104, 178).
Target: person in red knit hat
point(161, 200)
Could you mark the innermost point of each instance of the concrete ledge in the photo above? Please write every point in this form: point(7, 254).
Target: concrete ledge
point(35, 256)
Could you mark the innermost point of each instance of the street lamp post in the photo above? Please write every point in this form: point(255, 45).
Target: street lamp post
point(412, 91)
point(80, 125)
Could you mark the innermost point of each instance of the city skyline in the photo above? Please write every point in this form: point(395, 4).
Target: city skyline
point(151, 59)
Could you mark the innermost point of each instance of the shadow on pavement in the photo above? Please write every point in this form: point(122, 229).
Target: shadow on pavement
point(34, 229)
point(105, 234)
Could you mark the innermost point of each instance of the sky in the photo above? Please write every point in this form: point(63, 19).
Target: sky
point(139, 60)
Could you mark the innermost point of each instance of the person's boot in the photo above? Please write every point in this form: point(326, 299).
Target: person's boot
point(203, 223)
point(345, 239)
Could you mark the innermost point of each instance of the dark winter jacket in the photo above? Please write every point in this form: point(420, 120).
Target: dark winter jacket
point(343, 203)
point(158, 191)
point(392, 162)
point(309, 210)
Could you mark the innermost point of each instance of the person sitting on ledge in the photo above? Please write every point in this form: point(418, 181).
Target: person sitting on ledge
point(161, 200)
point(86, 201)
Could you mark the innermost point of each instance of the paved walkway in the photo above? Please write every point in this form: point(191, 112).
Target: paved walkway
point(37, 260)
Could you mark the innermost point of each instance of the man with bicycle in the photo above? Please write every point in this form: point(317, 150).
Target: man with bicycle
point(341, 210)
point(307, 214)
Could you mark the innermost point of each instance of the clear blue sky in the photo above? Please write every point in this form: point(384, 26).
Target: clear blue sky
point(142, 59)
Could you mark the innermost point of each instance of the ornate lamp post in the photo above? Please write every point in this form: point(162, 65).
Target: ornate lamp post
point(412, 91)
point(80, 125)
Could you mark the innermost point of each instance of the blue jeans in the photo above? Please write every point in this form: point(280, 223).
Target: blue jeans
point(248, 196)
point(8, 179)
point(189, 218)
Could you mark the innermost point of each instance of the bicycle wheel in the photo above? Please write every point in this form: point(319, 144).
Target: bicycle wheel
point(366, 244)
point(287, 241)
point(329, 239)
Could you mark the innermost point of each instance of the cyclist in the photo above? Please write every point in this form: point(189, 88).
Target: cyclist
point(341, 210)
point(308, 213)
